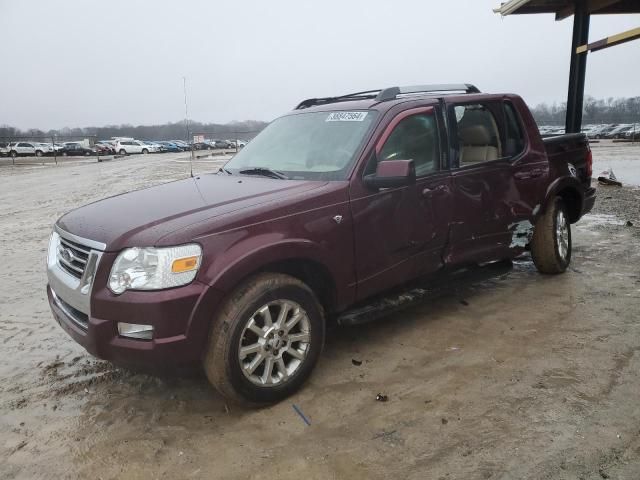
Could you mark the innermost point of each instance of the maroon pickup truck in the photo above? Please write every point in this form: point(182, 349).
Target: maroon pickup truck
point(331, 206)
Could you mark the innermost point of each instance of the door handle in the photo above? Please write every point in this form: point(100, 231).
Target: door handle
point(427, 192)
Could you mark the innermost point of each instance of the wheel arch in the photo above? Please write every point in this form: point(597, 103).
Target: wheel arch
point(303, 260)
point(570, 190)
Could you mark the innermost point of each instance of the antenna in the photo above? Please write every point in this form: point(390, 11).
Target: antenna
point(186, 121)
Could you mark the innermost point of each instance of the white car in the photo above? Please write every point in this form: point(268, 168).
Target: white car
point(127, 147)
point(17, 149)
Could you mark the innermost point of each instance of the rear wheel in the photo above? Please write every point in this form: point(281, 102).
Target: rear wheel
point(551, 243)
point(122, 152)
point(265, 341)
point(13, 154)
point(38, 153)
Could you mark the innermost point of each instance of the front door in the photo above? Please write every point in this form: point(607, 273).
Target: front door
point(400, 233)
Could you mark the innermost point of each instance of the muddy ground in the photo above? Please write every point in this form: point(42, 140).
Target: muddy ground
point(518, 376)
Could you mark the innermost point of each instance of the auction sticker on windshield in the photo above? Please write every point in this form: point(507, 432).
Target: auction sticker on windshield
point(346, 117)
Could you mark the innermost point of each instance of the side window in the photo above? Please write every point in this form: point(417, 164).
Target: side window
point(414, 138)
point(514, 140)
point(477, 134)
point(24, 145)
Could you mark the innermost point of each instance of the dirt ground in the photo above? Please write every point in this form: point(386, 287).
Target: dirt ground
point(520, 376)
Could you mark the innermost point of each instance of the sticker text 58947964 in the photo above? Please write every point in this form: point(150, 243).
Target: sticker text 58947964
point(346, 116)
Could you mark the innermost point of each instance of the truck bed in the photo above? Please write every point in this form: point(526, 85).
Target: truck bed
point(571, 148)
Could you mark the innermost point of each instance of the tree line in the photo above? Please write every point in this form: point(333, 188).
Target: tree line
point(609, 110)
point(595, 111)
point(244, 130)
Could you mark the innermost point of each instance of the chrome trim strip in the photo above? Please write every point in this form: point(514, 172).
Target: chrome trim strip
point(74, 246)
point(82, 241)
point(70, 265)
point(72, 317)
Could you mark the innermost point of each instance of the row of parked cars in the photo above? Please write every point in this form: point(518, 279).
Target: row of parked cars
point(121, 146)
point(616, 131)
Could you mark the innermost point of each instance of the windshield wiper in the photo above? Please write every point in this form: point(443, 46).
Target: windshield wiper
point(222, 169)
point(265, 172)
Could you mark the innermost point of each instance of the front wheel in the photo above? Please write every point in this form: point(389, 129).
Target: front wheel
point(551, 242)
point(265, 341)
point(123, 152)
point(145, 151)
point(38, 153)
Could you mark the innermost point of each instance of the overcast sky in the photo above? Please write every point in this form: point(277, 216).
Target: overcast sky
point(90, 63)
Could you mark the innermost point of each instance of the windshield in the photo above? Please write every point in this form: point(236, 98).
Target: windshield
point(307, 146)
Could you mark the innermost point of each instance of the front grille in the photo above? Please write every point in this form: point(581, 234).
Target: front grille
point(73, 257)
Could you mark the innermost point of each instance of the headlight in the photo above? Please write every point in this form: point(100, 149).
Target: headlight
point(154, 268)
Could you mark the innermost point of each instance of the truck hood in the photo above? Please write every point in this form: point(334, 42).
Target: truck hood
point(142, 217)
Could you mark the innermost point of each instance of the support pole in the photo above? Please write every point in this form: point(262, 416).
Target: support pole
point(578, 70)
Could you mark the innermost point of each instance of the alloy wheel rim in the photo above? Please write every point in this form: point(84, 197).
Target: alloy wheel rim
point(562, 235)
point(274, 343)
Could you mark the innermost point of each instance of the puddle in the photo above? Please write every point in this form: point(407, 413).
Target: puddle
point(599, 220)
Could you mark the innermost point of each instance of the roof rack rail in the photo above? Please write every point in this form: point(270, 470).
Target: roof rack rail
point(310, 102)
point(393, 92)
point(384, 94)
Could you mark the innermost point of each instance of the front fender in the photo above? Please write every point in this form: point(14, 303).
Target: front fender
point(254, 253)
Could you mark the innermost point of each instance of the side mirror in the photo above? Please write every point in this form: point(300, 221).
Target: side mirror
point(392, 174)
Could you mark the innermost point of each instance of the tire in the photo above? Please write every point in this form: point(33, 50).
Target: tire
point(551, 242)
point(64, 154)
point(13, 154)
point(38, 153)
point(230, 374)
point(145, 151)
point(122, 152)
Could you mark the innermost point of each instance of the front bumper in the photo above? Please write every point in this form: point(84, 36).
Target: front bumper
point(89, 312)
point(180, 317)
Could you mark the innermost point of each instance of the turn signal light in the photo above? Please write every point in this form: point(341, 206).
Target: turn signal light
point(184, 264)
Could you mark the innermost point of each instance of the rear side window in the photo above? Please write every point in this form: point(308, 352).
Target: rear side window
point(478, 135)
point(414, 138)
point(514, 141)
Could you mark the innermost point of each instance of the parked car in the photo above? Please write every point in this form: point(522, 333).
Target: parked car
point(633, 133)
point(76, 149)
point(107, 146)
point(128, 147)
point(183, 145)
point(17, 149)
point(102, 149)
point(201, 146)
point(342, 201)
point(619, 131)
point(221, 144)
point(4, 149)
point(171, 147)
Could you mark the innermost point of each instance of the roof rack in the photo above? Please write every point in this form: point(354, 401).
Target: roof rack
point(310, 102)
point(391, 93)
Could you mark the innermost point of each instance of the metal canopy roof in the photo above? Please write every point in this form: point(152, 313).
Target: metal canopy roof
point(565, 8)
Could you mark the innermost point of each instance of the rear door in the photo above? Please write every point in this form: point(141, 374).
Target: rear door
point(400, 233)
point(496, 180)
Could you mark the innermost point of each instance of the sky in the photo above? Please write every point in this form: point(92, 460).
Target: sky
point(77, 63)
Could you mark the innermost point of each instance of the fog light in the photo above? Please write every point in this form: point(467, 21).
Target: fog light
point(132, 330)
